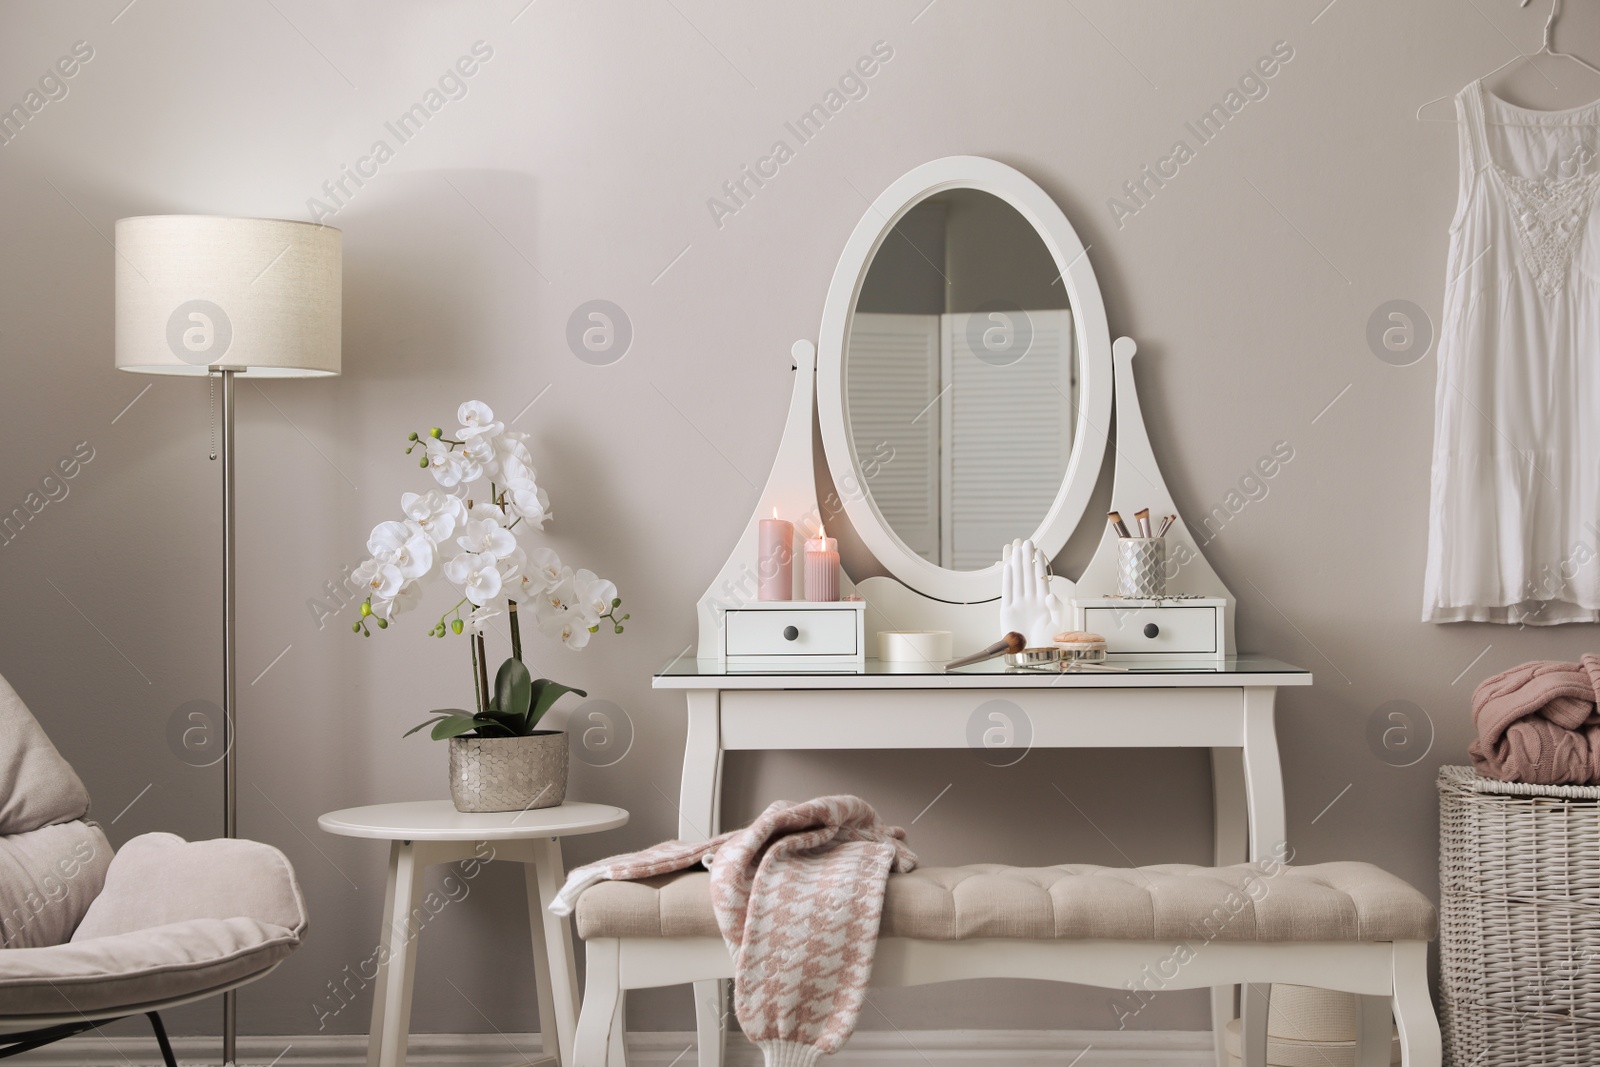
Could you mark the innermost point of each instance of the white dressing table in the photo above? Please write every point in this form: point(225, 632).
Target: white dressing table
point(976, 384)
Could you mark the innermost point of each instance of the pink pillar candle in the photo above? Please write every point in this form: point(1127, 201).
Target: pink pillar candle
point(822, 567)
point(775, 559)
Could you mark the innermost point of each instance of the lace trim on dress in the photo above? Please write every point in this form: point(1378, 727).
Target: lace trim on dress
point(1550, 214)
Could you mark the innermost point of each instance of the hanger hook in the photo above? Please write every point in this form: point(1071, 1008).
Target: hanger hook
point(1549, 23)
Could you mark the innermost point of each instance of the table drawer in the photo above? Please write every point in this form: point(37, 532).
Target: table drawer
point(1174, 631)
point(816, 632)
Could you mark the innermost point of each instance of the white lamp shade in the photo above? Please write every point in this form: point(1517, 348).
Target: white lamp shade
point(257, 296)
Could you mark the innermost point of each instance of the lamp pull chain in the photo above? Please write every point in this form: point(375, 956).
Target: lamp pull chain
point(212, 380)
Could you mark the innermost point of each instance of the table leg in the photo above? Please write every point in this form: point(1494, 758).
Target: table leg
point(699, 818)
point(1231, 843)
point(391, 996)
point(549, 1036)
point(553, 934)
point(702, 768)
point(1269, 839)
point(1263, 777)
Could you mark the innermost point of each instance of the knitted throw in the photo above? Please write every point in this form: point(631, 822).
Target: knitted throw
point(798, 895)
point(1538, 723)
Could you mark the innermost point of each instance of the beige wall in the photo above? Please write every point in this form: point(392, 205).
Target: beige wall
point(579, 166)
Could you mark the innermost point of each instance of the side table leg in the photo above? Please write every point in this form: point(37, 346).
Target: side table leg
point(391, 997)
point(552, 945)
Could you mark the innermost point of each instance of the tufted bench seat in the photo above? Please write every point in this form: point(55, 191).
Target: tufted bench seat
point(1346, 926)
point(1080, 902)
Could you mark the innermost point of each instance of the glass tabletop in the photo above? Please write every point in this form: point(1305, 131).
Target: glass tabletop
point(685, 667)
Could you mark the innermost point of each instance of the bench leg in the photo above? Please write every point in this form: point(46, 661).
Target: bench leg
point(710, 1015)
point(1413, 1008)
point(602, 998)
point(1255, 1001)
point(1374, 1032)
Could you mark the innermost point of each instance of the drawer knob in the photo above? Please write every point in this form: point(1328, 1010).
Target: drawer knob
point(791, 633)
point(1151, 629)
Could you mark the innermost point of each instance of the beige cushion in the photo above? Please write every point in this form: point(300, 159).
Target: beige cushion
point(144, 967)
point(48, 879)
point(37, 786)
point(1323, 902)
point(175, 918)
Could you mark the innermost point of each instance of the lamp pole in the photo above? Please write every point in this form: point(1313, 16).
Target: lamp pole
point(230, 766)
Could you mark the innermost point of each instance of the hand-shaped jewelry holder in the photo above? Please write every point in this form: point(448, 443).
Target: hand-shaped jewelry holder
point(1026, 603)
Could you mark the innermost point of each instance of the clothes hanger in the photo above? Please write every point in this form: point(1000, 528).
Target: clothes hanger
point(1544, 49)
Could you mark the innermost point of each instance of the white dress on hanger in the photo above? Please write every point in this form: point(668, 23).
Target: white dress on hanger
point(1514, 525)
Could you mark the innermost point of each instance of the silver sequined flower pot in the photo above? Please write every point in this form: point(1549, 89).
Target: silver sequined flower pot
point(508, 773)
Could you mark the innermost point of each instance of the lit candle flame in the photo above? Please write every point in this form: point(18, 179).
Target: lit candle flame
point(821, 533)
point(774, 512)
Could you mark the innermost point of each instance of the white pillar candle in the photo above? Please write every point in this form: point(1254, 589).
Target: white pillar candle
point(822, 567)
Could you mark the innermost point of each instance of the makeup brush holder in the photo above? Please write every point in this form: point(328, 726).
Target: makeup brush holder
point(1141, 567)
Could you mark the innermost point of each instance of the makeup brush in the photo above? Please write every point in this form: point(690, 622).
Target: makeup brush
point(1166, 524)
point(1117, 524)
point(1011, 643)
point(1142, 517)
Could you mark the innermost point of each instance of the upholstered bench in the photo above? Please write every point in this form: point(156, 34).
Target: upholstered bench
point(1344, 926)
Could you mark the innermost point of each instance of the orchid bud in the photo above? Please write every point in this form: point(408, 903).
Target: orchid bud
point(355, 627)
point(616, 602)
point(412, 436)
point(456, 625)
point(366, 608)
point(424, 463)
point(436, 433)
point(383, 624)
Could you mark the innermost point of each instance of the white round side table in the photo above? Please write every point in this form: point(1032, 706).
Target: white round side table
point(422, 833)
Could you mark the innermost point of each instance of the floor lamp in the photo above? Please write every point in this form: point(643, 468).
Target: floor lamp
point(237, 298)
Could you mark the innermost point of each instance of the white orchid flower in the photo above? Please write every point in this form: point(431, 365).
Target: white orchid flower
point(543, 569)
point(527, 501)
point(377, 580)
point(594, 595)
point(404, 545)
point(476, 418)
point(404, 599)
point(568, 627)
point(449, 468)
point(509, 447)
point(487, 537)
point(477, 576)
point(435, 514)
point(479, 619)
point(481, 451)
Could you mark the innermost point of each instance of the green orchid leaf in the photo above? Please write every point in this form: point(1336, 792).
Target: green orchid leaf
point(495, 726)
point(546, 693)
point(454, 726)
point(513, 688)
point(423, 725)
point(511, 724)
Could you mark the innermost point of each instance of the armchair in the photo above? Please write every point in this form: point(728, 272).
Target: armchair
point(87, 936)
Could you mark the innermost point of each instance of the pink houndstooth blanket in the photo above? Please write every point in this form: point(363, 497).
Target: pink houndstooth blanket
point(798, 895)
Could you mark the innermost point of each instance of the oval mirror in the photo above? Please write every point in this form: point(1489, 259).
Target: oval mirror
point(964, 376)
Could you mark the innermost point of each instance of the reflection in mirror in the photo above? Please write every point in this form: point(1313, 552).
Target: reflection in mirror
point(960, 379)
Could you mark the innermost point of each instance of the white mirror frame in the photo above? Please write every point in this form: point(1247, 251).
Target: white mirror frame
point(1093, 343)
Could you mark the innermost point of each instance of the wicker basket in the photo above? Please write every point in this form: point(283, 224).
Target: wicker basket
point(1519, 924)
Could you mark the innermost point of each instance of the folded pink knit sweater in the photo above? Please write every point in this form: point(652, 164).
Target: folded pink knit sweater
point(1538, 723)
point(798, 895)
